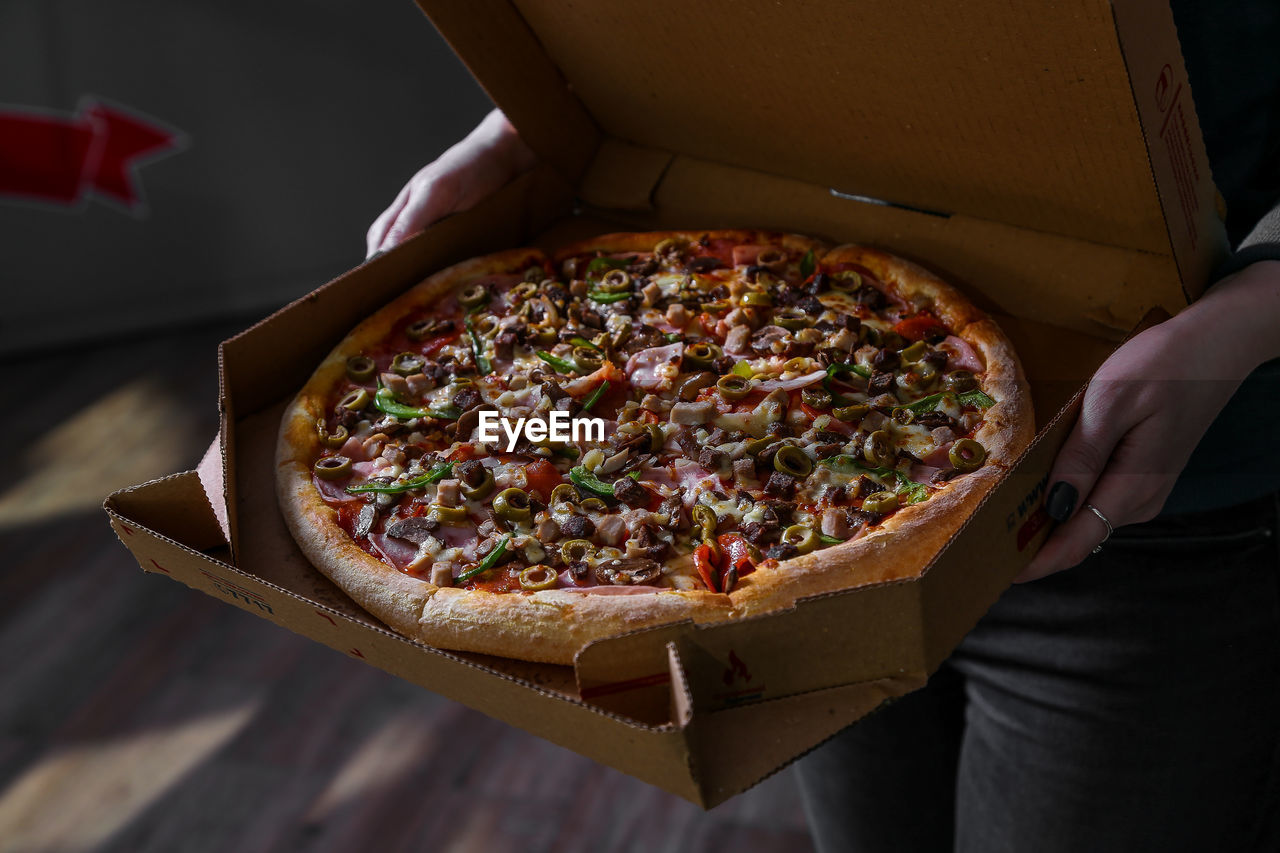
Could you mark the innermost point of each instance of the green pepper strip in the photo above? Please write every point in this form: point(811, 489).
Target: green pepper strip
point(915, 492)
point(829, 540)
point(579, 341)
point(925, 404)
point(435, 475)
point(489, 561)
point(808, 264)
point(835, 370)
point(560, 365)
point(976, 398)
point(605, 296)
point(744, 370)
point(483, 367)
point(584, 479)
point(385, 402)
point(595, 396)
point(606, 264)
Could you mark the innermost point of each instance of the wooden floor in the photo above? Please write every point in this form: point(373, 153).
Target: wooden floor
point(136, 715)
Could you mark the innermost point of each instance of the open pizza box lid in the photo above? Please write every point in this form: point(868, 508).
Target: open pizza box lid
point(1071, 119)
point(1069, 208)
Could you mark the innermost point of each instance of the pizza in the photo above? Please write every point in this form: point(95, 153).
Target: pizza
point(529, 451)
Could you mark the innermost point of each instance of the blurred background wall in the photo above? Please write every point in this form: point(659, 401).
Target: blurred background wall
point(166, 163)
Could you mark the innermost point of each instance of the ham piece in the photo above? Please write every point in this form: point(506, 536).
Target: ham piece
point(654, 368)
point(695, 479)
point(334, 490)
point(400, 552)
point(961, 356)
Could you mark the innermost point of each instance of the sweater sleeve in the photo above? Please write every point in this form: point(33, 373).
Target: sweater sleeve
point(1261, 244)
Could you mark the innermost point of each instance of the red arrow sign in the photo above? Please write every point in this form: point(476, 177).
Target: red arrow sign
point(63, 160)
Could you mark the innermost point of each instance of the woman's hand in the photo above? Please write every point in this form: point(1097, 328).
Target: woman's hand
point(1147, 408)
point(489, 157)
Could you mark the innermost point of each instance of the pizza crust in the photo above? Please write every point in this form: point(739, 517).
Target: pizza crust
point(552, 625)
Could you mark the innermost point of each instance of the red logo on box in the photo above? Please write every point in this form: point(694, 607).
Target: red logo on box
point(1033, 525)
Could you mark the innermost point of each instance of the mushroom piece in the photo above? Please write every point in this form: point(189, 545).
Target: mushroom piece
point(416, 529)
point(628, 571)
point(365, 521)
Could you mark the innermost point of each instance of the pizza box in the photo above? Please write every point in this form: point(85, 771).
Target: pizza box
point(1047, 160)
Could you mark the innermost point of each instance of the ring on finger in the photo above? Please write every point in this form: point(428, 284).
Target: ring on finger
point(1097, 549)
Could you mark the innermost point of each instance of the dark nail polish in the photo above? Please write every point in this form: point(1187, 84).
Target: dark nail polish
point(1061, 501)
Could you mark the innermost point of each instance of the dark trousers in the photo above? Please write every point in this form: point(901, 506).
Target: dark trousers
point(1130, 704)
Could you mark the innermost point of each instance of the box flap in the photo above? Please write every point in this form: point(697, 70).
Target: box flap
point(1015, 113)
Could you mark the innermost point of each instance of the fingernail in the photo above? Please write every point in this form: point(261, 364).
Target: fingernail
point(1061, 501)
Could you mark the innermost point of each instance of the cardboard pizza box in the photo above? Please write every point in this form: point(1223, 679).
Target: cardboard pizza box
point(1046, 160)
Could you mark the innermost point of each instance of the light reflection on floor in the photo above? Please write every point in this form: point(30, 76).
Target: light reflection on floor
point(132, 434)
point(77, 797)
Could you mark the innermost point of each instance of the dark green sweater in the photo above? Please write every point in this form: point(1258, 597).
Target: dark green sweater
point(1232, 52)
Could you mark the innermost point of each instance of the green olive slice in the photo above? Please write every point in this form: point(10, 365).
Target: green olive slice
point(878, 449)
point(802, 536)
point(355, 400)
point(361, 368)
point(575, 550)
point(793, 461)
point(593, 505)
point(960, 381)
point(715, 306)
point(733, 387)
point(447, 514)
point(485, 326)
point(816, 398)
point(799, 364)
point(512, 505)
point(478, 487)
point(902, 415)
point(915, 352)
point(473, 296)
point(332, 468)
point(538, 577)
point(881, 502)
point(615, 281)
point(407, 364)
point(564, 493)
point(587, 359)
point(544, 335)
point(851, 413)
point(967, 455)
point(791, 318)
point(337, 438)
point(927, 373)
point(756, 299)
point(700, 355)
point(421, 330)
point(522, 292)
point(669, 249)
